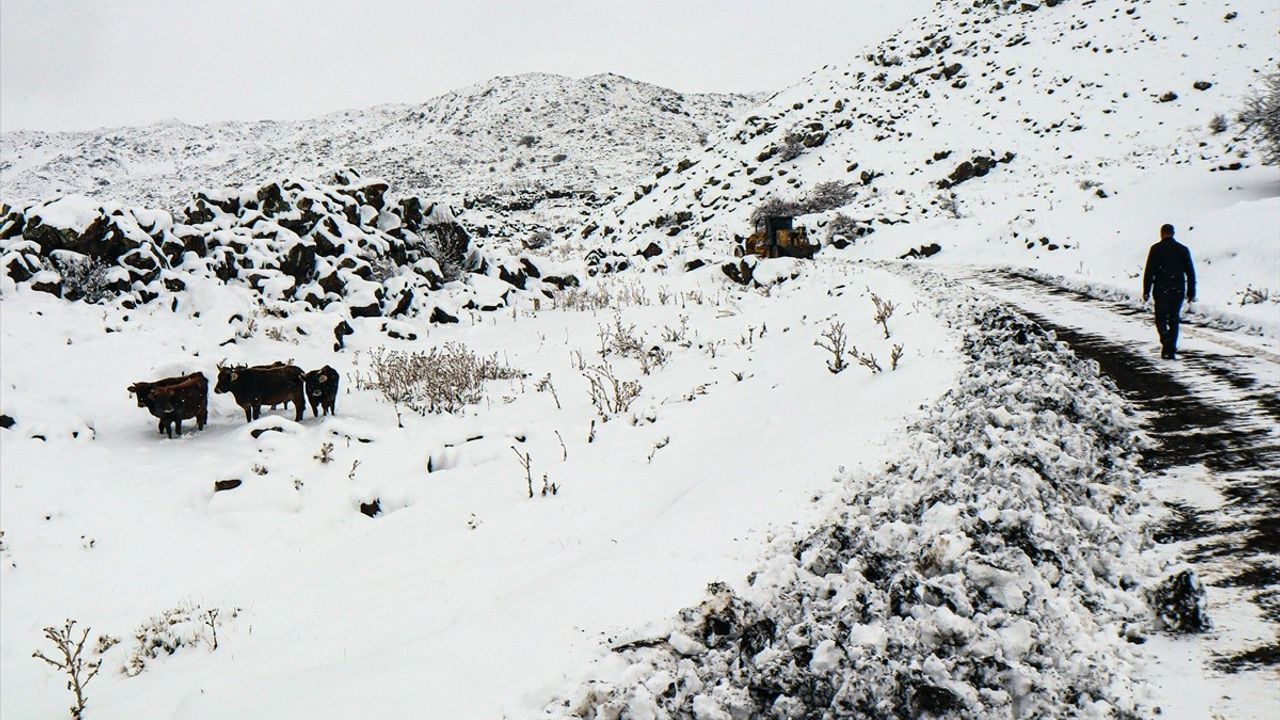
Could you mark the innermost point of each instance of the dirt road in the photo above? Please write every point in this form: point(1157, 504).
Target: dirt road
point(1214, 418)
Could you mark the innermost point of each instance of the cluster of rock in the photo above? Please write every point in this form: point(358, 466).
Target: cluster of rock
point(345, 242)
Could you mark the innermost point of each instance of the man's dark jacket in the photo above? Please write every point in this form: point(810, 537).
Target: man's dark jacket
point(1169, 271)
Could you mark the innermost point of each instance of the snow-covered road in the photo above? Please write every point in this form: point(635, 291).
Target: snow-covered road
point(1215, 461)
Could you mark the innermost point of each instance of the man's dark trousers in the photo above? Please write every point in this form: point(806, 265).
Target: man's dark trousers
point(1168, 308)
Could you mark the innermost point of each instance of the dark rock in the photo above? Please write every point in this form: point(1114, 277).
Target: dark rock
point(53, 288)
point(933, 700)
point(1202, 84)
point(440, 316)
point(561, 281)
point(406, 302)
point(366, 311)
point(7, 422)
point(740, 272)
point(693, 265)
point(1178, 603)
point(923, 251)
point(529, 268)
point(1169, 97)
point(517, 278)
point(372, 509)
point(651, 250)
point(221, 485)
point(258, 432)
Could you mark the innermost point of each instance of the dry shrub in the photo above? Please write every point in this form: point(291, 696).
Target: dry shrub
point(610, 395)
point(442, 380)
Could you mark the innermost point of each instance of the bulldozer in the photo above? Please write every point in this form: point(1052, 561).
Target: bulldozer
point(779, 239)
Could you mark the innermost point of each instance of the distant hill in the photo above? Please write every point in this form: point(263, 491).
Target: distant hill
point(502, 147)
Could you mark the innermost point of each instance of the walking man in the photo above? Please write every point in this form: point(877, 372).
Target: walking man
point(1170, 274)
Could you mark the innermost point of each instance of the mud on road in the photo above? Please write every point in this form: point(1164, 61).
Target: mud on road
point(1207, 410)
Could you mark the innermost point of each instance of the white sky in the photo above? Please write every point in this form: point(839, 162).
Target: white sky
point(79, 64)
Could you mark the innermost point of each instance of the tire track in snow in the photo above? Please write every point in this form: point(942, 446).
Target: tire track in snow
point(1212, 414)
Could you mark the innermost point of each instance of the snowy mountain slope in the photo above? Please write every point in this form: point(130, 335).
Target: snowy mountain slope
point(1059, 135)
point(512, 138)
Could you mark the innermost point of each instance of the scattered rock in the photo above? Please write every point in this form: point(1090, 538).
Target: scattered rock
point(221, 485)
point(1178, 603)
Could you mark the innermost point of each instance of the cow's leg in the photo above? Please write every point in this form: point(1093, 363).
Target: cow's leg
point(177, 424)
point(248, 412)
point(160, 426)
point(202, 417)
point(300, 403)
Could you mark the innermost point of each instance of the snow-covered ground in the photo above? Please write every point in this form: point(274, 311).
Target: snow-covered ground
point(464, 595)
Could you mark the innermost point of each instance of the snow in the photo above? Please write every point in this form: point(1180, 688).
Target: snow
point(969, 531)
point(461, 572)
point(72, 212)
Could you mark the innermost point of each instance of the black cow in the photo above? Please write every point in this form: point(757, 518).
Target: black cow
point(322, 390)
point(342, 329)
point(143, 390)
point(175, 402)
point(253, 387)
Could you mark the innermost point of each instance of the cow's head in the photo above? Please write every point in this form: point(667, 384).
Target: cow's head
point(166, 401)
point(142, 391)
point(226, 376)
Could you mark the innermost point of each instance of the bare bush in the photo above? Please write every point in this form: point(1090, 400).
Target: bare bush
point(382, 269)
point(538, 240)
point(833, 340)
point(186, 625)
point(948, 204)
point(828, 195)
point(545, 385)
point(69, 658)
point(774, 207)
point(623, 340)
point(451, 247)
point(610, 395)
point(867, 360)
point(1218, 124)
point(678, 333)
point(1254, 296)
point(442, 380)
point(792, 147)
point(1260, 117)
point(844, 228)
point(83, 278)
point(526, 460)
point(884, 311)
point(895, 356)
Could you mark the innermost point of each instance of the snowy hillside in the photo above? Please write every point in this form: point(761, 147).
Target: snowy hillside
point(1056, 135)
point(627, 474)
point(507, 143)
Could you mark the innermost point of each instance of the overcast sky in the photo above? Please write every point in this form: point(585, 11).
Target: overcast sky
point(79, 64)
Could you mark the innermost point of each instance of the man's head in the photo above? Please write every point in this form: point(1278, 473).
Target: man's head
point(1166, 231)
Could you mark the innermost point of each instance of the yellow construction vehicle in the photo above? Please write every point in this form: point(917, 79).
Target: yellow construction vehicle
point(779, 239)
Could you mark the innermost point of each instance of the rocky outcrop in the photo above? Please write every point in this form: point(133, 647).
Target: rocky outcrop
point(323, 243)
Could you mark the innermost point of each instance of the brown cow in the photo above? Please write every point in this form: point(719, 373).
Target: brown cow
point(177, 401)
point(143, 390)
point(253, 387)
